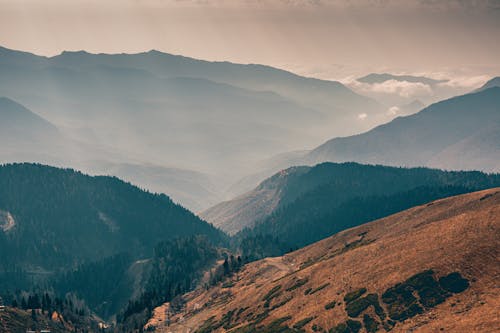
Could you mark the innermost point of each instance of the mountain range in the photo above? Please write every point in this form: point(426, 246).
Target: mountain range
point(164, 111)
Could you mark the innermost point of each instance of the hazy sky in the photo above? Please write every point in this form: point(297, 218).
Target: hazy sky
point(318, 37)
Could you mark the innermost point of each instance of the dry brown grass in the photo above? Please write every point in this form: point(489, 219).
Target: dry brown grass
point(454, 234)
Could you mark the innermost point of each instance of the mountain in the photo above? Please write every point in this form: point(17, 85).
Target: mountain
point(168, 111)
point(427, 269)
point(300, 205)
point(25, 134)
point(467, 142)
point(16, 117)
point(379, 78)
point(422, 139)
point(94, 239)
point(27, 137)
point(189, 188)
point(494, 82)
point(321, 93)
point(244, 211)
point(59, 218)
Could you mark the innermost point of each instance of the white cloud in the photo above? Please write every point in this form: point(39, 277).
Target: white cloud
point(393, 110)
point(362, 116)
point(402, 88)
point(470, 82)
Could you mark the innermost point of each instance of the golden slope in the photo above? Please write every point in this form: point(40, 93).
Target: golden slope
point(458, 234)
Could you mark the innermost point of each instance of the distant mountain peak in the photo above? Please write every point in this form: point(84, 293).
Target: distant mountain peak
point(493, 83)
point(383, 77)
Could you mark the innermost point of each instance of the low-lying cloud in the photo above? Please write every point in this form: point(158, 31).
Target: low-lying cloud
point(394, 87)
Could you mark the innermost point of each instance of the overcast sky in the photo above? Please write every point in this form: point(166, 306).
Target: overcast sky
point(316, 37)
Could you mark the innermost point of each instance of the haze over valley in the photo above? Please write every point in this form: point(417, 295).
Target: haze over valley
point(247, 166)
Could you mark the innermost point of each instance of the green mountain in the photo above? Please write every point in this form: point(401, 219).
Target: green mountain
point(95, 238)
point(311, 203)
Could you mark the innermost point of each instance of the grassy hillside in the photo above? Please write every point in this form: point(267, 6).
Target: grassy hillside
point(427, 269)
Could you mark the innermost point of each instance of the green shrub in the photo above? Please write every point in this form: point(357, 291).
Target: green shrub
point(350, 326)
point(454, 283)
point(349, 297)
point(303, 322)
point(356, 307)
point(330, 305)
point(299, 283)
point(371, 325)
point(319, 288)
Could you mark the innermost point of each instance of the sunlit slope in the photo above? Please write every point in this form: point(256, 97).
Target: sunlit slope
point(428, 269)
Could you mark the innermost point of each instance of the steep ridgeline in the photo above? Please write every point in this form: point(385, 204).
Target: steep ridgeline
point(25, 135)
point(248, 209)
point(461, 133)
point(494, 82)
point(301, 205)
point(431, 268)
point(86, 235)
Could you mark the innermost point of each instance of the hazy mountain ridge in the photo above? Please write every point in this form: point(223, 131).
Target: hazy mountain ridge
point(215, 118)
point(494, 82)
point(418, 139)
point(379, 78)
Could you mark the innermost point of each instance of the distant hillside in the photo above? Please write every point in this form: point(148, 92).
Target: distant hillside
point(26, 135)
point(302, 205)
point(423, 138)
point(431, 268)
point(494, 82)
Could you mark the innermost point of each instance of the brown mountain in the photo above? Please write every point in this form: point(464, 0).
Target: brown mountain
point(431, 268)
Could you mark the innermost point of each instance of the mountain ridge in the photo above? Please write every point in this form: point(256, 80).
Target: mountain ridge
point(316, 192)
point(356, 278)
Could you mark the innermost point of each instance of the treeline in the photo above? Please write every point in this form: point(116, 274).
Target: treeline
point(230, 265)
point(64, 218)
point(330, 197)
point(292, 230)
point(177, 267)
point(102, 284)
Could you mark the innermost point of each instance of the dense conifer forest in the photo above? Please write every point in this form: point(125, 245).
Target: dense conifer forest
point(331, 197)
